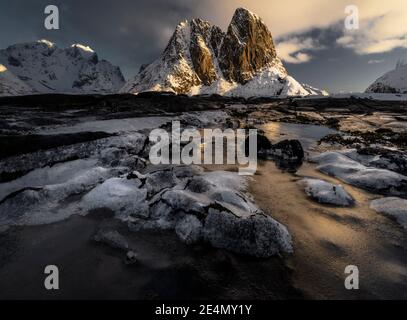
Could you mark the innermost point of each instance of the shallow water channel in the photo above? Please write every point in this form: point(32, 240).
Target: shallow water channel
point(325, 238)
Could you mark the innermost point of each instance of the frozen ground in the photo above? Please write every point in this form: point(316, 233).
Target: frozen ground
point(75, 171)
point(114, 174)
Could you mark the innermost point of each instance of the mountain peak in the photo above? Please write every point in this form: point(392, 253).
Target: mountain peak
point(42, 67)
point(394, 81)
point(242, 13)
point(247, 47)
point(201, 58)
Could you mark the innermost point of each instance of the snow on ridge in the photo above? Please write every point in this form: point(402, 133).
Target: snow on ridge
point(47, 42)
point(42, 67)
point(82, 47)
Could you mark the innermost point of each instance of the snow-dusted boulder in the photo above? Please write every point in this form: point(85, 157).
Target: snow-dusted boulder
point(392, 206)
point(256, 235)
point(123, 196)
point(377, 180)
point(213, 207)
point(41, 204)
point(383, 158)
point(327, 193)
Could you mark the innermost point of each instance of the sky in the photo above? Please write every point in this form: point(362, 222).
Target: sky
point(310, 35)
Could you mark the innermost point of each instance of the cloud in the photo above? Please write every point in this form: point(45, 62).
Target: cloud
point(378, 34)
point(383, 24)
point(292, 50)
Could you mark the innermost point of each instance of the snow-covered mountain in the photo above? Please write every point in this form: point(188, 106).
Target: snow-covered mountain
point(42, 67)
point(394, 81)
point(201, 59)
point(10, 85)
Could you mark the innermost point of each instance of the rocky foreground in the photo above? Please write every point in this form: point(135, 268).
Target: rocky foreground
point(68, 156)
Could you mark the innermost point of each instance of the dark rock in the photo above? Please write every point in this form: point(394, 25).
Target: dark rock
point(387, 159)
point(131, 258)
point(288, 155)
point(200, 54)
point(289, 149)
point(263, 146)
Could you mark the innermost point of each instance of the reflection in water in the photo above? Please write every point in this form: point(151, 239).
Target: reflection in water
point(307, 134)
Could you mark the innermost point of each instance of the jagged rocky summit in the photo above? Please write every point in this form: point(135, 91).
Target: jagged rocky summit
point(202, 59)
point(42, 67)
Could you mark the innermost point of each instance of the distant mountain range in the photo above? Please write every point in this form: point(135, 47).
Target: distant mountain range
point(199, 59)
point(42, 67)
point(394, 81)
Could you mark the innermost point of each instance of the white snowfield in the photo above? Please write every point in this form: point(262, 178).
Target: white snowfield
point(326, 193)
point(272, 81)
point(394, 207)
point(377, 180)
point(42, 67)
point(394, 81)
